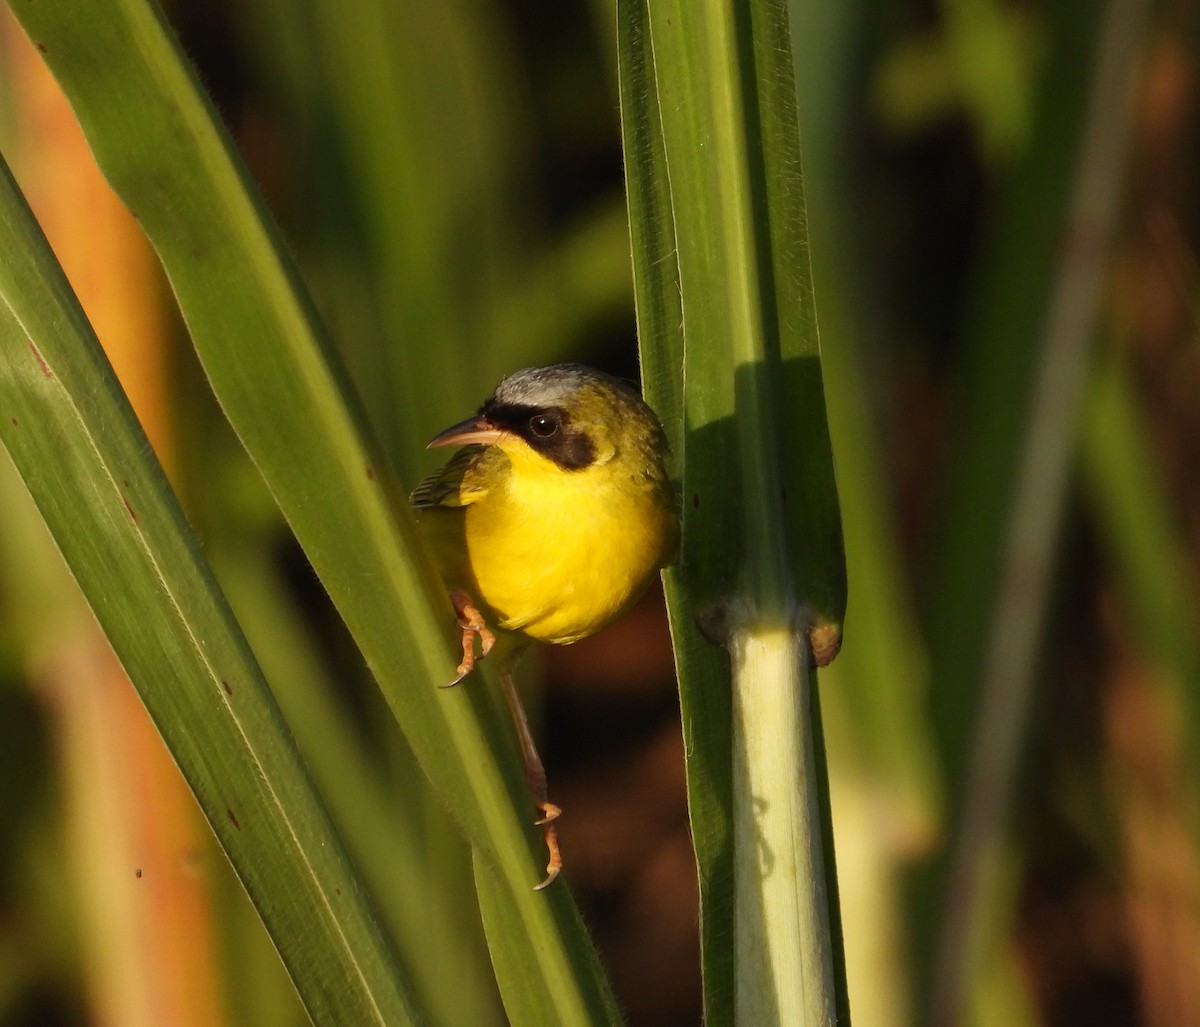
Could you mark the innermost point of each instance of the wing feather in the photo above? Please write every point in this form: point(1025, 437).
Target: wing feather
point(462, 481)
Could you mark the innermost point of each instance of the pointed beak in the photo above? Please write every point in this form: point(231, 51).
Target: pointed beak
point(474, 429)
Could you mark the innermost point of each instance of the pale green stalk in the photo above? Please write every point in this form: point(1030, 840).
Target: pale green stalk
point(780, 898)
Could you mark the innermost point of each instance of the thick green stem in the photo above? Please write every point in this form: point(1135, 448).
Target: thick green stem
point(783, 948)
point(731, 360)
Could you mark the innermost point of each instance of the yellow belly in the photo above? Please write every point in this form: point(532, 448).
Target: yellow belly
point(560, 560)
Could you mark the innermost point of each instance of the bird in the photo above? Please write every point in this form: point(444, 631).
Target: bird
point(547, 525)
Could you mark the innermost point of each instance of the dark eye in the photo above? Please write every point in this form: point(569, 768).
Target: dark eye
point(543, 425)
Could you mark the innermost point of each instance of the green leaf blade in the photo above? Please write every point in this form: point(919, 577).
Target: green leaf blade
point(86, 462)
point(159, 144)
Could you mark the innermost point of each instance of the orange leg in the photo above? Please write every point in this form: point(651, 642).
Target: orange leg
point(472, 623)
point(535, 777)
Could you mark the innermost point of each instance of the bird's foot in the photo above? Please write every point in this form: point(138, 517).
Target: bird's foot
point(554, 864)
point(550, 813)
point(472, 623)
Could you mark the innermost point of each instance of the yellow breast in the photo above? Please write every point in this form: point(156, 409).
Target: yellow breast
point(561, 556)
point(556, 555)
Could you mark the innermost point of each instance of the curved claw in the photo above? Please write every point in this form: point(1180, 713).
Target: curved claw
point(550, 813)
point(554, 866)
point(553, 873)
point(462, 673)
point(487, 640)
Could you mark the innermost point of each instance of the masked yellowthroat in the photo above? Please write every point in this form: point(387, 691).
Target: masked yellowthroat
point(549, 524)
